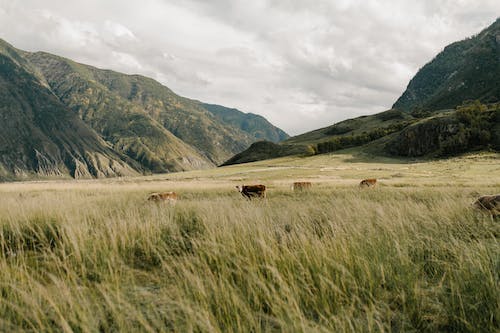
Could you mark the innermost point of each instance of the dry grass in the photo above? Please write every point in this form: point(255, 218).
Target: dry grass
point(410, 255)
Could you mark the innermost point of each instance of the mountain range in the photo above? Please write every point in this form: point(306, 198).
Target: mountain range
point(63, 118)
point(60, 118)
point(451, 106)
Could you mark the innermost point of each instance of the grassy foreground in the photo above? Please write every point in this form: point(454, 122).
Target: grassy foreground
point(410, 255)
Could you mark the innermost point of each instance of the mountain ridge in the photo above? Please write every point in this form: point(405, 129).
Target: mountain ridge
point(41, 137)
point(464, 70)
point(133, 120)
point(451, 106)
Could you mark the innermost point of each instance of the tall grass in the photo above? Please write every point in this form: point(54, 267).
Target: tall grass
point(332, 259)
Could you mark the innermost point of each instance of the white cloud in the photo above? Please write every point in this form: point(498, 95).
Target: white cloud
point(301, 64)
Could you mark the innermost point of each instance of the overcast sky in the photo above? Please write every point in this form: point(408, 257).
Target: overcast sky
point(303, 64)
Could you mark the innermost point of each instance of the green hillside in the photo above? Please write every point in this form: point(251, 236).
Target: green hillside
point(450, 107)
point(183, 117)
point(40, 136)
point(263, 150)
point(345, 134)
point(465, 70)
point(97, 93)
point(255, 125)
point(124, 124)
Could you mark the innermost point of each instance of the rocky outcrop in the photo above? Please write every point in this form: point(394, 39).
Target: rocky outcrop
point(423, 137)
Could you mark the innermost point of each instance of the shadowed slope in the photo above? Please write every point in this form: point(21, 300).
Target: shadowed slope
point(40, 136)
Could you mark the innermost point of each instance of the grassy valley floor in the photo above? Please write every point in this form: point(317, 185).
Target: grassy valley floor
point(408, 255)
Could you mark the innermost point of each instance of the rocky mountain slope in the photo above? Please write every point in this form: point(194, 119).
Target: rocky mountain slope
point(84, 87)
point(40, 136)
point(126, 125)
point(132, 122)
point(465, 70)
point(255, 125)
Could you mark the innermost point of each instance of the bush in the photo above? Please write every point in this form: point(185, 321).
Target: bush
point(475, 129)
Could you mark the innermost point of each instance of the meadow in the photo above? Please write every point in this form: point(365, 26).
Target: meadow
point(410, 255)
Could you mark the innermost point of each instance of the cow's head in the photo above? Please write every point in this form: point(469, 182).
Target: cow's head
point(239, 188)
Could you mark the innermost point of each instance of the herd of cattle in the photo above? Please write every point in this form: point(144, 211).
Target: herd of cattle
point(490, 203)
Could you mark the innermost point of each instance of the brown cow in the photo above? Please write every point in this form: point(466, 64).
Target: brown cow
point(170, 197)
point(301, 186)
point(250, 191)
point(370, 182)
point(490, 203)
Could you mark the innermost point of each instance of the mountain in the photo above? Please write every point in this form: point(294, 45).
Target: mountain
point(345, 134)
point(450, 107)
point(40, 136)
point(441, 133)
point(96, 93)
point(465, 70)
point(124, 124)
point(255, 125)
point(263, 150)
point(63, 118)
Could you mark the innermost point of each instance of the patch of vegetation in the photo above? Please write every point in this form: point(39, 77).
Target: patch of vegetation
point(475, 126)
point(391, 115)
point(265, 150)
point(339, 130)
point(343, 142)
point(472, 126)
point(39, 233)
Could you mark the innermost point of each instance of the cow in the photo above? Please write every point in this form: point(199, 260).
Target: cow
point(301, 186)
point(251, 191)
point(370, 182)
point(170, 197)
point(490, 203)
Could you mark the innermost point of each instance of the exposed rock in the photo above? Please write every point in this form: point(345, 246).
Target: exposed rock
point(423, 137)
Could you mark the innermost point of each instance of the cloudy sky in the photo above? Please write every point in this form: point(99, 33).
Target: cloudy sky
point(302, 64)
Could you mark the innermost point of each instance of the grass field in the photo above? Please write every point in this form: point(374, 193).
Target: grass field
point(410, 255)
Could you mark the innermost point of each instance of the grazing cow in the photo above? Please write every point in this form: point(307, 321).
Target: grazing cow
point(301, 186)
point(490, 203)
point(170, 197)
point(370, 182)
point(250, 191)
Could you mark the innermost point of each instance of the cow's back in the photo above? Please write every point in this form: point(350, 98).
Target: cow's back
point(489, 202)
point(368, 182)
point(250, 191)
point(300, 186)
point(163, 196)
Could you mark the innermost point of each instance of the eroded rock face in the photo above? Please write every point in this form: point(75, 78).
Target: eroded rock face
point(423, 137)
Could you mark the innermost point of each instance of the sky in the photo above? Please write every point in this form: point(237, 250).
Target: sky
point(302, 64)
